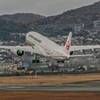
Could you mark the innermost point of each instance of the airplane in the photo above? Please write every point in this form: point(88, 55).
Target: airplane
point(41, 45)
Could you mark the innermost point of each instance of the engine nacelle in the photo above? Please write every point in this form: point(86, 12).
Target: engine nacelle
point(71, 53)
point(20, 53)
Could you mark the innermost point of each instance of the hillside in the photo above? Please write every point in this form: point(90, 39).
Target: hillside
point(16, 23)
point(86, 14)
point(53, 25)
point(23, 18)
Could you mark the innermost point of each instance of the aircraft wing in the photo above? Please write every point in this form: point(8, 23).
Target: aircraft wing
point(32, 49)
point(76, 48)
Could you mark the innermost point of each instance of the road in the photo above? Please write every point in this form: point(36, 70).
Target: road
point(92, 86)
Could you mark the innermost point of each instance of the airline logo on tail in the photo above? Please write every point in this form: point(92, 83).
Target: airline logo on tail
point(68, 46)
point(68, 42)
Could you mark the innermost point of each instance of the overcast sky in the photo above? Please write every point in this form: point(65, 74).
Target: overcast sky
point(43, 7)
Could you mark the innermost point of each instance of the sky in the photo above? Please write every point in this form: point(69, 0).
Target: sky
point(42, 7)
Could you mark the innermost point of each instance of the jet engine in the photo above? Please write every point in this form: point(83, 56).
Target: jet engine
point(20, 53)
point(71, 53)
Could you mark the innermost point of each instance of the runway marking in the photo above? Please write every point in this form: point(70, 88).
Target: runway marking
point(15, 87)
point(78, 87)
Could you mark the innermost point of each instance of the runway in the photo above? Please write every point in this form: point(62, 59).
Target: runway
point(92, 86)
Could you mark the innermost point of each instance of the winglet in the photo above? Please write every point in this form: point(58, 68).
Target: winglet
point(68, 42)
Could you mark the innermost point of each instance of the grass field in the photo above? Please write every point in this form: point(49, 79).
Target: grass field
point(47, 79)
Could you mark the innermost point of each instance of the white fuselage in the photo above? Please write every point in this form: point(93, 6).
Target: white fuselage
point(47, 47)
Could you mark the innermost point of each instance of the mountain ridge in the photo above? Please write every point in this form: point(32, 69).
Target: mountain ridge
point(85, 14)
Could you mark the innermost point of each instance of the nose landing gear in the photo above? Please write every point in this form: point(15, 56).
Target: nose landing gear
point(35, 61)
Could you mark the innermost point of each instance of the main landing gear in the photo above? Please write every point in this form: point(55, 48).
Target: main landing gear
point(36, 59)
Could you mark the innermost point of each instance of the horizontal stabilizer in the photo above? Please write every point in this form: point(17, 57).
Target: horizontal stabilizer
point(87, 55)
